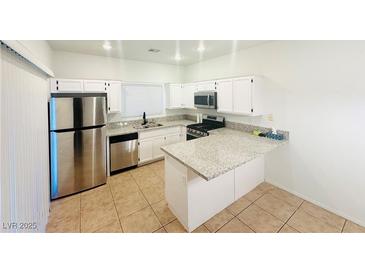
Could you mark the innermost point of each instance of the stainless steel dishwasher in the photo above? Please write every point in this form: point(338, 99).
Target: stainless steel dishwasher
point(123, 152)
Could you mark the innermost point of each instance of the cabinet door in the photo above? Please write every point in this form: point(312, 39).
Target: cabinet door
point(172, 139)
point(158, 142)
point(94, 86)
point(67, 85)
point(188, 91)
point(204, 86)
point(175, 96)
point(145, 150)
point(225, 96)
point(114, 92)
point(242, 95)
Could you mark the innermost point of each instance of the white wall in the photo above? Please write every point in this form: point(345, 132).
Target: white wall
point(317, 93)
point(75, 65)
point(24, 170)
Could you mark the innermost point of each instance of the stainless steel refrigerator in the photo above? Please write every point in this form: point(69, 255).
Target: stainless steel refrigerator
point(77, 142)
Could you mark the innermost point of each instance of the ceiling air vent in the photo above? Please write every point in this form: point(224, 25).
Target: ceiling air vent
point(154, 50)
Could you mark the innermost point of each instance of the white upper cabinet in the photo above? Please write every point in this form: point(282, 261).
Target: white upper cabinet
point(206, 85)
point(95, 86)
point(188, 91)
point(67, 85)
point(224, 95)
point(242, 95)
point(114, 93)
point(242, 91)
point(175, 96)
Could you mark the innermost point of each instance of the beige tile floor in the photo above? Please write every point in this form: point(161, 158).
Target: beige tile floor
point(133, 201)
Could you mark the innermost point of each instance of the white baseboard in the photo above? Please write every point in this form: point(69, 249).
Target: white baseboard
point(337, 212)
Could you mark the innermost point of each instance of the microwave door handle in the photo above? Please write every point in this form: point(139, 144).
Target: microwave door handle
point(208, 100)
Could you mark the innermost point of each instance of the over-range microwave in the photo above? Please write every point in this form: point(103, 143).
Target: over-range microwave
point(205, 99)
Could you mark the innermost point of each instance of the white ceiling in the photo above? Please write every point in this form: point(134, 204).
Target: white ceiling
point(138, 49)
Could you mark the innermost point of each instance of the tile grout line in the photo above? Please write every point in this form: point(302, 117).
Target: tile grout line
point(320, 218)
point(133, 193)
point(115, 207)
point(221, 225)
point(246, 225)
point(290, 218)
point(266, 192)
point(276, 216)
point(235, 215)
point(148, 202)
point(343, 227)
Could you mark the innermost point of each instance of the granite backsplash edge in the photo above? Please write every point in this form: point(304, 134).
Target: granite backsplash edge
point(244, 127)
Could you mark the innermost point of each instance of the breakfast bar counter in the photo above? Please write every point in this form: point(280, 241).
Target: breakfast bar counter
point(223, 150)
point(203, 176)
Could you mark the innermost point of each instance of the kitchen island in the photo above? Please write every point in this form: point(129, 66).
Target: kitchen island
point(205, 175)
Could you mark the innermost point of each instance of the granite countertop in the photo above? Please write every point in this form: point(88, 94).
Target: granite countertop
point(120, 130)
point(223, 150)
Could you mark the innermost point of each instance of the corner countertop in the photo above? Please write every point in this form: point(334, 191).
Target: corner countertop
point(120, 130)
point(223, 150)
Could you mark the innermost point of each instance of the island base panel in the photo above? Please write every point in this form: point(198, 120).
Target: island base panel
point(193, 199)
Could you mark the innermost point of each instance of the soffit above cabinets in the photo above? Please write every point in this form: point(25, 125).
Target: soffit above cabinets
point(190, 51)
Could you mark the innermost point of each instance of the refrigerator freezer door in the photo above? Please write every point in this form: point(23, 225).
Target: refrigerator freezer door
point(77, 112)
point(78, 160)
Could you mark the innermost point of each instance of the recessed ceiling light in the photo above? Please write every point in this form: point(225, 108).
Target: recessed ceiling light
point(177, 57)
point(201, 48)
point(154, 50)
point(107, 46)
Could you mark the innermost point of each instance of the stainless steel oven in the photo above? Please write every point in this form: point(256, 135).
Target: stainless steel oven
point(205, 99)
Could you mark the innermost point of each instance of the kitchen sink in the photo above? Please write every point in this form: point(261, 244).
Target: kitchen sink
point(148, 125)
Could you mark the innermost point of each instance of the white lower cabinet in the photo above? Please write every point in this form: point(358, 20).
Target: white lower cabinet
point(193, 200)
point(157, 143)
point(151, 141)
point(145, 150)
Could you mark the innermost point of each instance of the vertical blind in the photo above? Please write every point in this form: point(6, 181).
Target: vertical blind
point(24, 145)
point(139, 98)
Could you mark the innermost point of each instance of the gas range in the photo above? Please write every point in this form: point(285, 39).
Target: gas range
point(209, 122)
